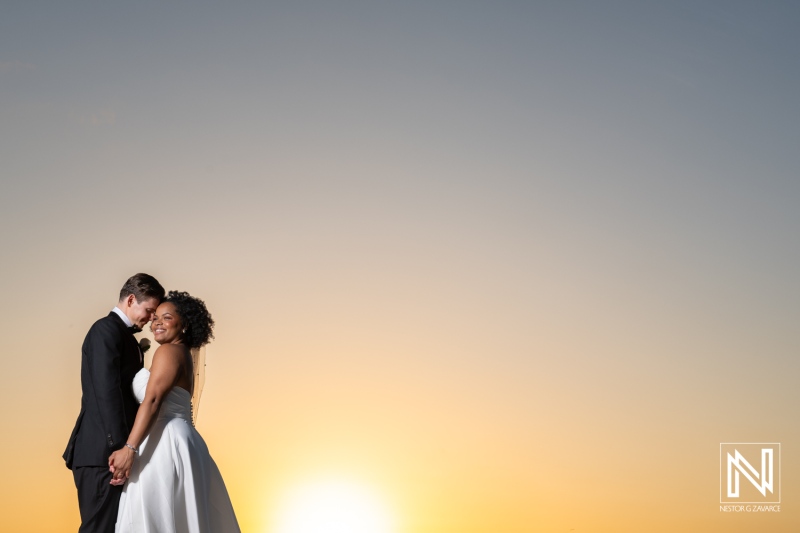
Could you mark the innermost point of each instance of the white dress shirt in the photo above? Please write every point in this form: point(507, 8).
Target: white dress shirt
point(123, 316)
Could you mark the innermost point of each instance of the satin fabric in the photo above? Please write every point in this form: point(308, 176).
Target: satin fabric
point(175, 486)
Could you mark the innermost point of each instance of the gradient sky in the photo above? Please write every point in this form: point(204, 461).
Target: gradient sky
point(516, 266)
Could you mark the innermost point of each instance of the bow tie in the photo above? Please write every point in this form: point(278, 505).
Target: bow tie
point(134, 329)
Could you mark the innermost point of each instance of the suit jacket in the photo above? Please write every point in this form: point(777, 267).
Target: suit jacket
point(110, 358)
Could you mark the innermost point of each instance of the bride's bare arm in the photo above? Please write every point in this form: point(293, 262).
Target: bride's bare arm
point(164, 374)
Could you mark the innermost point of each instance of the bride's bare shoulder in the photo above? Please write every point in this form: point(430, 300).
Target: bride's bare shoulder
point(170, 352)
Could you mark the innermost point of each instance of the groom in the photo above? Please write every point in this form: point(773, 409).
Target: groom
point(109, 360)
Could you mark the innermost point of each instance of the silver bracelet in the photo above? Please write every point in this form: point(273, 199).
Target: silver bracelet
point(132, 448)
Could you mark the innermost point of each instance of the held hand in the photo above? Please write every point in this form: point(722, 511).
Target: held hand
point(119, 464)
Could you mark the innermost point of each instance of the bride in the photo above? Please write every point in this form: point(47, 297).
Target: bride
point(173, 484)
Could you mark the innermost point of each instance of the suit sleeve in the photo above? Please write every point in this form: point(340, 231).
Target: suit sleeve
point(104, 358)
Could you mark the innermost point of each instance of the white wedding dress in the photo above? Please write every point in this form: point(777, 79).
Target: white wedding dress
point(175, 486)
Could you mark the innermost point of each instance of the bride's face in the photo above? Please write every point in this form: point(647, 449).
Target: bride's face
point(166, 325)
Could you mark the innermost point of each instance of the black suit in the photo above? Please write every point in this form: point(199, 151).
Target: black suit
point(110, 358)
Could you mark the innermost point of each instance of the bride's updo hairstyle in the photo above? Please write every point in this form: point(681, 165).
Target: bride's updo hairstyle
point(194, 316)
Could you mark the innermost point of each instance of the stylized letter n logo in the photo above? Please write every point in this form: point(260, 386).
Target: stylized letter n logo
point(740, 464)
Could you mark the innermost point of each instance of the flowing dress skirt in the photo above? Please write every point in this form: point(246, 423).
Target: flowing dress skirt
point(175, 486)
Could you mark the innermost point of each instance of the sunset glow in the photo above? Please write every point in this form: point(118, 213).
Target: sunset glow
point(333, 507)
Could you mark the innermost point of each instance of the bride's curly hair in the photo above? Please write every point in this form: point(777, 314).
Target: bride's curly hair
point(195, 317)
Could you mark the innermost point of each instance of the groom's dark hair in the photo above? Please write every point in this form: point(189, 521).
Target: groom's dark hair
point(142, 286)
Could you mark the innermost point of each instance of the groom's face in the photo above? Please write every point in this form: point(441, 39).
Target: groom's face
point(141, 313)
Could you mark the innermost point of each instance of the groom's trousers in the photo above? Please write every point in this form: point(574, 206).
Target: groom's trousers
point(98, 500)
